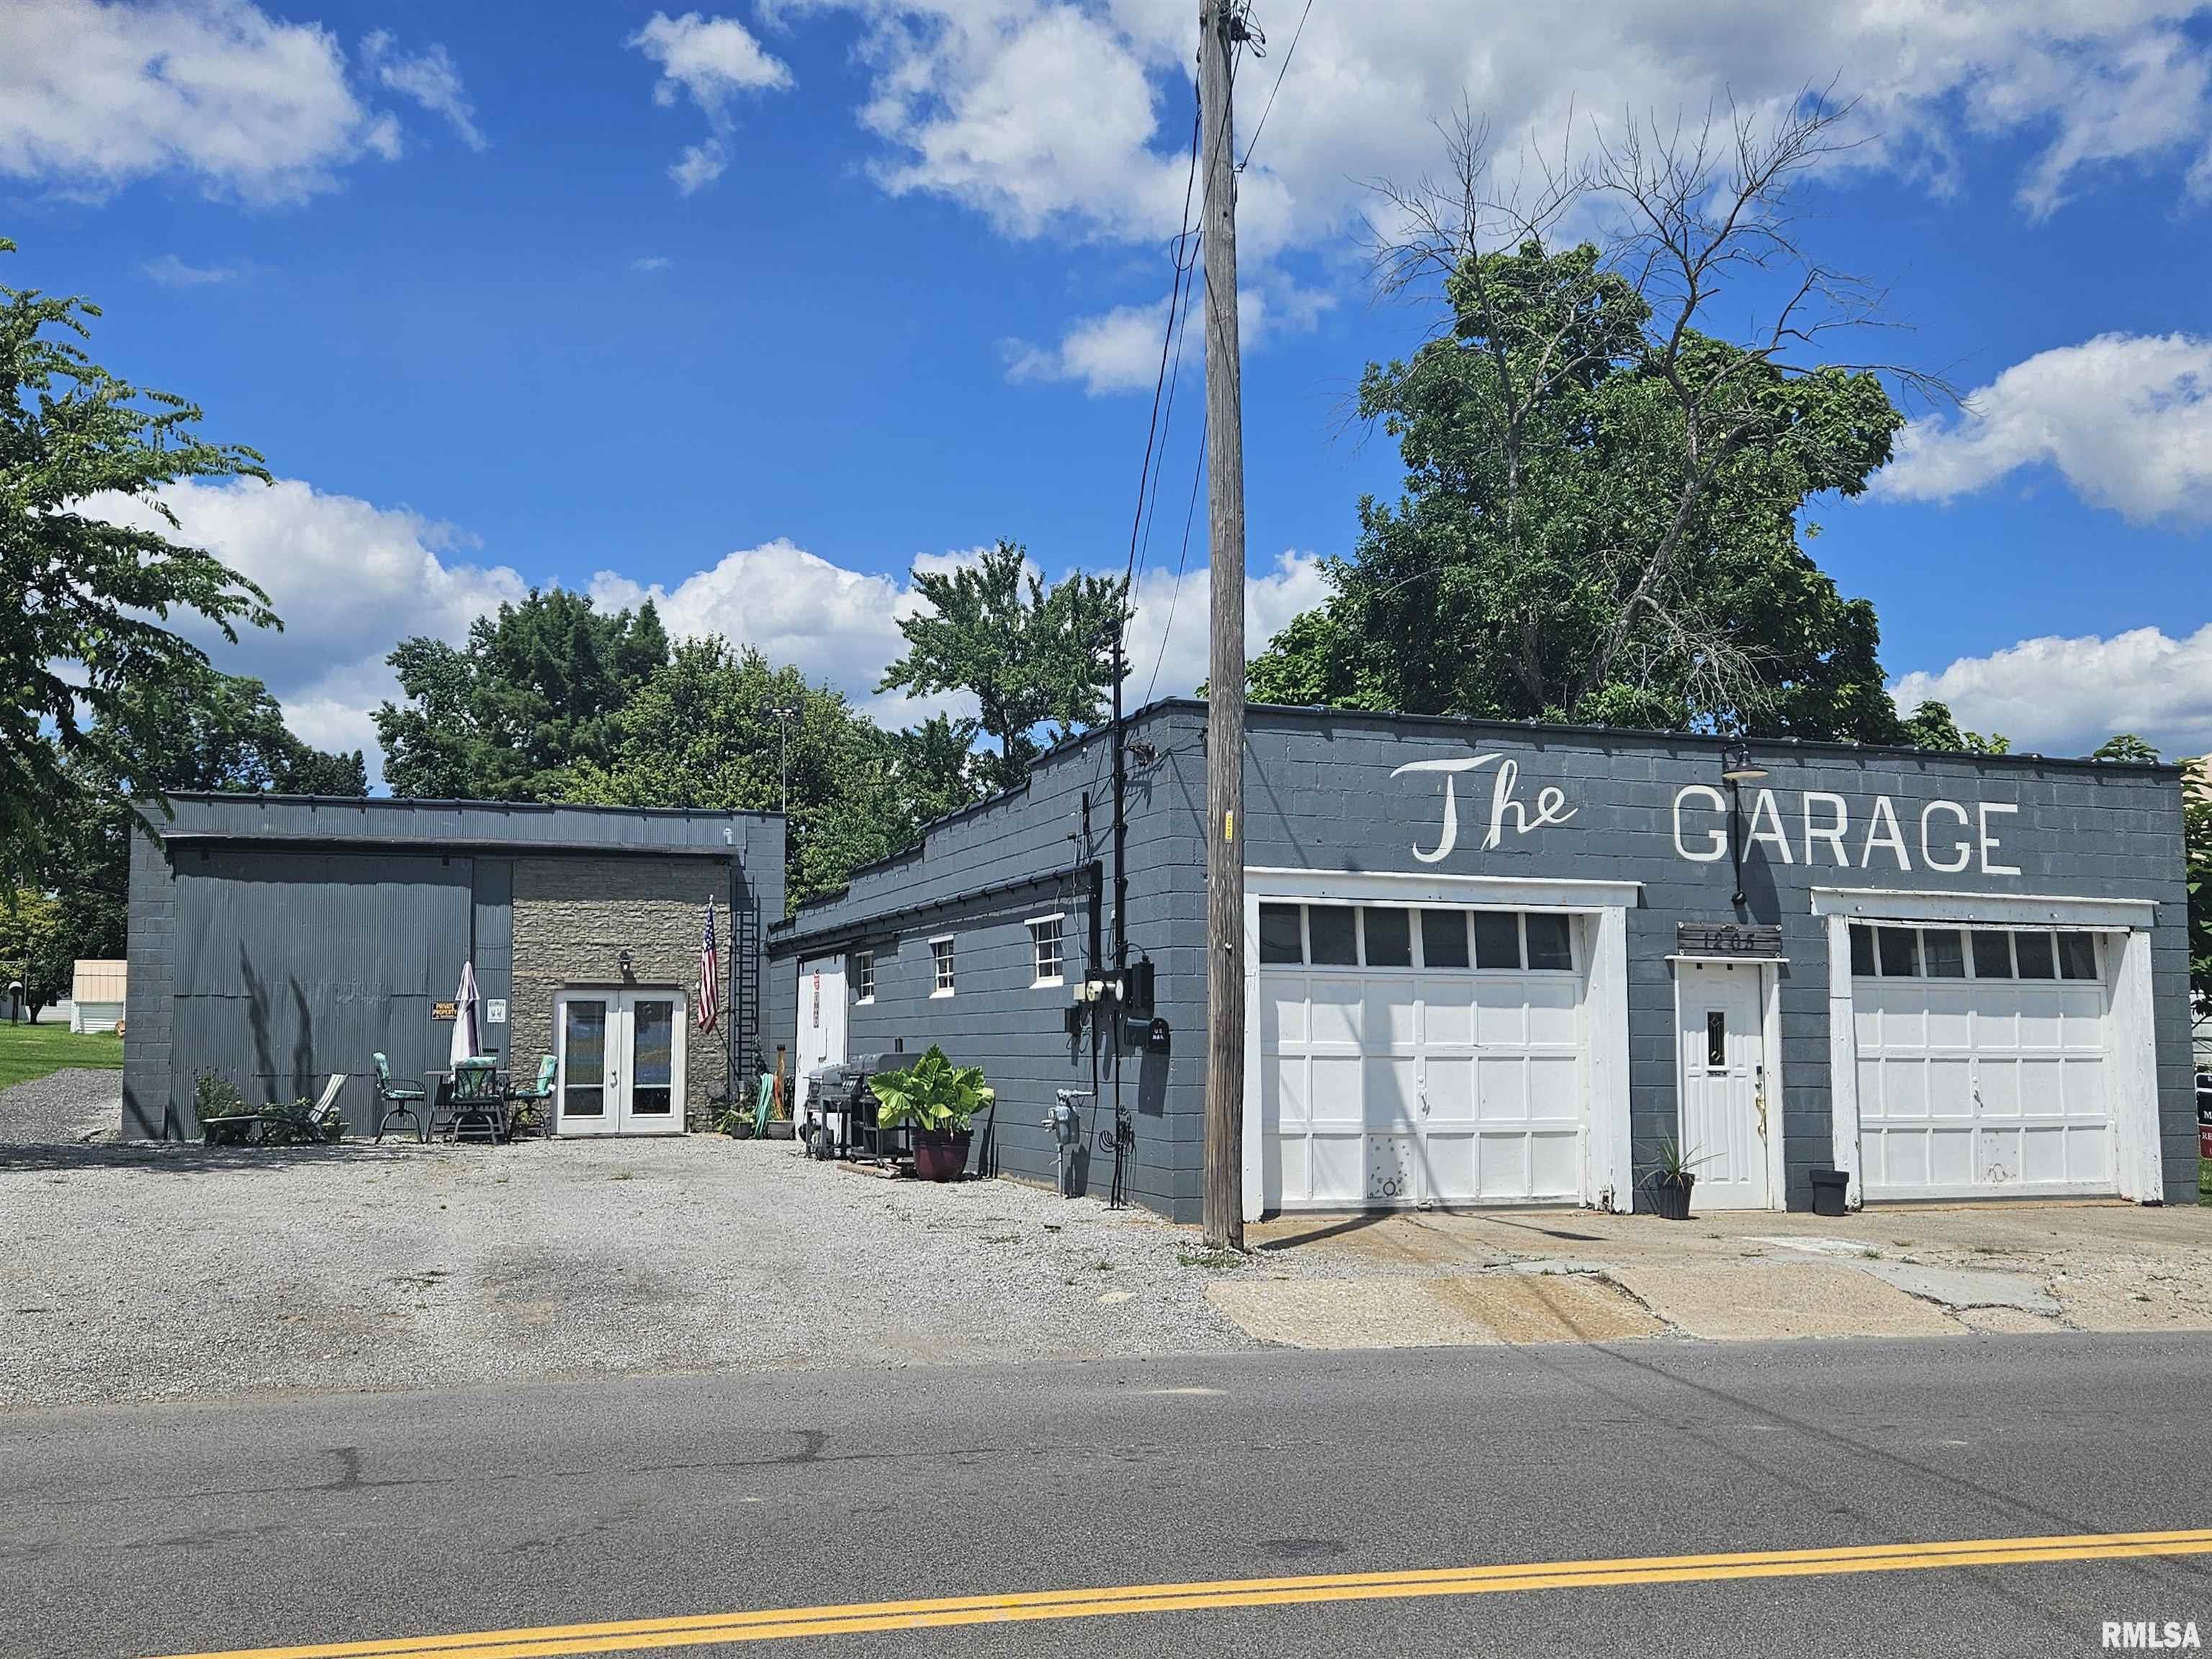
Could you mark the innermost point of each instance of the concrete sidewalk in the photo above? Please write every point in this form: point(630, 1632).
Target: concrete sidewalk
point(1414, 1279)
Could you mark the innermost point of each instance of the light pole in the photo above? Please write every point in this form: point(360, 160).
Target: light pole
point(784, 716)
point(1738, 768)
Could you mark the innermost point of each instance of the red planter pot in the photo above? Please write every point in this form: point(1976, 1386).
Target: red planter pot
point(940, 1157)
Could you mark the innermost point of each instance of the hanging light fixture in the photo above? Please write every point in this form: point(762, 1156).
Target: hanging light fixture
point(1737, 766)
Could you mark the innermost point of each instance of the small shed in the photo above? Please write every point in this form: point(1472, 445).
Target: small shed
point(96, 994)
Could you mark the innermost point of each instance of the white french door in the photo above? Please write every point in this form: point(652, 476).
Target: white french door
point(620, 1055)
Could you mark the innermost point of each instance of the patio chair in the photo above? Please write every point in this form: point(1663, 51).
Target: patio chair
point(528, 1108)
point(279, 1124)
point(477, 1103)
point(398, 1100)
point(321, 1121)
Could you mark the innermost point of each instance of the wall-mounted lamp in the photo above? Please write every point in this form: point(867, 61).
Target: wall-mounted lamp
point(625, 964)
point(1738, 768)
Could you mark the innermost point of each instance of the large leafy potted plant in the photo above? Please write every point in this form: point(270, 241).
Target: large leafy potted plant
point(938, 1102)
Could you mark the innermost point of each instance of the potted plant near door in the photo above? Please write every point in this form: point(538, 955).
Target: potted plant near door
point(1673, 1173)
point(938, 1102)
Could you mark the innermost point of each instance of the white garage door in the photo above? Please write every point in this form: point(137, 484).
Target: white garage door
point(1418, 1055)
point(1982, 1062)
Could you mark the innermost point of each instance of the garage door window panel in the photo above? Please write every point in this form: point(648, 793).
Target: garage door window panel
point(1443, 938)
point(2033, 953)
point(1943, 953)
point(1282, 933)
point(1333, 935)
point(1498, 940)
point(2077, 956)
point(1387, 935)
point(1992, 954)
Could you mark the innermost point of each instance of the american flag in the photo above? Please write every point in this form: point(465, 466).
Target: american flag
point(710, 976)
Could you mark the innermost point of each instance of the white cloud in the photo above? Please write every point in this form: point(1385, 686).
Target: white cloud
point(2126, 419)
point(95, 93)
point(429, 78)
point(1180, 613)
point(350, 580)
point(1050, 118)
point(1119, 350)
point(649, 263)
point(170, 271)
point(835, 625)
point(711, 60)
point(2064, 696)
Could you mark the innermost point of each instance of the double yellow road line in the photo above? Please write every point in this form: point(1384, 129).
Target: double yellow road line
point(642, 1635)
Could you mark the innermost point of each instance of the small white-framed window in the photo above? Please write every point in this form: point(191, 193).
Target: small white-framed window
point(1048, 949)
point(864, 975)
point(940, 962)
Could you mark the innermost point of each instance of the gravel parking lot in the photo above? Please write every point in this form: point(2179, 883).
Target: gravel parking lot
point(76, 1103)
point(147, 1272)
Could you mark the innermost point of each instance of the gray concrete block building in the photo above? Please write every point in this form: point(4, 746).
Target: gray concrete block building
point(275, 940)
point(1494, 963)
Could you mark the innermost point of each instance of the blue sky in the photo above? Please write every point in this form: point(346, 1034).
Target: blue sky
point(756, 308)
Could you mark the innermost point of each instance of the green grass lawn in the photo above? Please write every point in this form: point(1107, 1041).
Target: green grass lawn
point(29, 1051)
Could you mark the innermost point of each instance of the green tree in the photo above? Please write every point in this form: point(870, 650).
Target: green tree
point(1931, 725)
point(2125, 746)
point(210, 733)
point(704, 732)
point(1031, 656)
point(34, 948)
point(87, 658)
point(534, 693)
point(1603, 509)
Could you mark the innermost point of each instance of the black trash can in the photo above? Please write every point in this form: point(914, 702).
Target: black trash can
point(1830, 1186)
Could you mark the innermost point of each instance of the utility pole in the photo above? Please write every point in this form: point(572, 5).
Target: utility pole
point(783, 718)
point(1221, 25)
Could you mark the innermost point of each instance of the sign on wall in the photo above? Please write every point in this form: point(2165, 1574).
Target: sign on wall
point(1726, 938)
point(495, 1011)
point(1813, 827)
point(445, 1010)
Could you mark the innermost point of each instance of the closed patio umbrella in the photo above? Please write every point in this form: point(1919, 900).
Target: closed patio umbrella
point(464, 1021)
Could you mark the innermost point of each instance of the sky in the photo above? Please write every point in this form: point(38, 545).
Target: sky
point(755, 311)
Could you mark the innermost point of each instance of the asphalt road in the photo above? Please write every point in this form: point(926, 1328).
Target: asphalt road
point(142, 1531)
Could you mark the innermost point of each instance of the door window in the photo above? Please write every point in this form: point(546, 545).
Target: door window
point(652, 1058)
point(1716, 1040)
point(584, 1066)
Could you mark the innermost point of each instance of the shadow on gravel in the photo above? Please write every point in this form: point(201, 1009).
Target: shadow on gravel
point(176, 1159)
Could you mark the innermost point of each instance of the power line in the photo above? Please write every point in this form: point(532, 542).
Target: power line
point(1175, 594)
point(1266, 108)
point(1179, 256)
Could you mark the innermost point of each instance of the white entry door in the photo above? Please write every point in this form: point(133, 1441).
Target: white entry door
point(622, 1059)
point(821, 1018)
point(1726, 1115)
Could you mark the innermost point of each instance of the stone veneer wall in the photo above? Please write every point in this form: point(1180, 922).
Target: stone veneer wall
point(574, 916)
